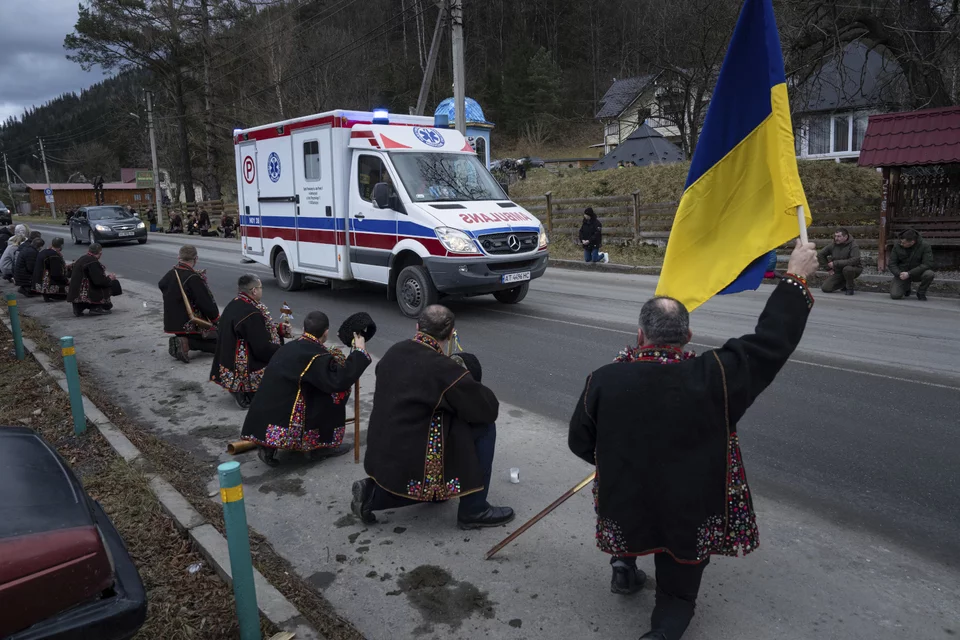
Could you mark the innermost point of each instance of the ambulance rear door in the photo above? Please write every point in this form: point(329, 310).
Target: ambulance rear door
point(250, 224)
point(320, 234)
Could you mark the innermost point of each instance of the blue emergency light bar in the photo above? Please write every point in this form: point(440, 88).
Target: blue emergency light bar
point(381, 116)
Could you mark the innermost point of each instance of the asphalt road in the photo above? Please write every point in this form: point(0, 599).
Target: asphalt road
point(862, 426)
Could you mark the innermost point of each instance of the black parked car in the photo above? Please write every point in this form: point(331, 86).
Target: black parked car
point(110, 223)
point(5, 217)
point(64, 570)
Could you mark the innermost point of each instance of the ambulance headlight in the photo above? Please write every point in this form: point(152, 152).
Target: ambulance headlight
point(456, 241)
point(544, 240)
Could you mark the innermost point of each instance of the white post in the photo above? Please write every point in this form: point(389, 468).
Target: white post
point(459, 73)
point(803, 224)
point(43, 156)
point(158, 201)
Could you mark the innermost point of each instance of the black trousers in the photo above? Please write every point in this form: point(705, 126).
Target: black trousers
point(678, 585)
point(485, 440)
point(197, 343)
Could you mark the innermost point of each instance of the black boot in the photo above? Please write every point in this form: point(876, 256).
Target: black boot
point(243, 399)
point(268, 456)
point(490, 517)
point(329, 452)
point(654, 635)
point(363, 500)
point(627, 579)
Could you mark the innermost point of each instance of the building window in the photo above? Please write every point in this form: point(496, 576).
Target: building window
point(819, 137)
point(830, 135)
point(149, 197)
point(859, 131)
point(480, 145)
point(841, 135)
point(612, 130)
point(311, 160)
point(136, 197)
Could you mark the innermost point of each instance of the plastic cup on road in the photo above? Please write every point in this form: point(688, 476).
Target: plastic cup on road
point(515, 475)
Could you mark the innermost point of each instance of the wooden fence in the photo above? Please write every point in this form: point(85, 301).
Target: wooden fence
point(626, 220)
point(215, 208)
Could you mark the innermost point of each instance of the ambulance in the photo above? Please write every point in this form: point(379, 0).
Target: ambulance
point(397, 200)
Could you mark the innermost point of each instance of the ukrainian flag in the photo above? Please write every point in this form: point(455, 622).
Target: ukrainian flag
point(740, 200)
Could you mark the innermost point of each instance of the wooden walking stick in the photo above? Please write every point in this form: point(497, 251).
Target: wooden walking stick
point(356, 422)
point(535, 519)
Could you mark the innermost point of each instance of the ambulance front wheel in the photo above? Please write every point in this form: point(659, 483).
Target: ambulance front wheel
point(286, 278)
point(512, 296)
point(415, 291)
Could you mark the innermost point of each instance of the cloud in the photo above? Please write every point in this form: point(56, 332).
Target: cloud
point(33, 63)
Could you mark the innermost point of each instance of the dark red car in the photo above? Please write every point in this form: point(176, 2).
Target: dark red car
point(64, 570)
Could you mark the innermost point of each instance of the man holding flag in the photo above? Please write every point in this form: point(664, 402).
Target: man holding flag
point(660, 423)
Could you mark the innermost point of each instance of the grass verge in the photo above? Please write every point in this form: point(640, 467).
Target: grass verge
point(180, 604)
point(190, 478)
point(641, 255)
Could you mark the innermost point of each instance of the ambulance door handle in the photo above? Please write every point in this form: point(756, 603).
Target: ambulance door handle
point(298, 210)
point(329, 211)
point(359, 216)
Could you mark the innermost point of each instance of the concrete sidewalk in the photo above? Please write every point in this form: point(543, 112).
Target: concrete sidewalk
point(415, 575)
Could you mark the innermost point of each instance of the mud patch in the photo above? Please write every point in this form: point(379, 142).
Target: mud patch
point(284, 487)
point(514, 413)
point(119, 352)
point(215, 432)
point(353, 537)
point(442, 600)
point(346, 521)
point(185, 386)
point(321, 579)
point(516, 623)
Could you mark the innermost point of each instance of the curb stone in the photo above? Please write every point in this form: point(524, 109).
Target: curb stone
point(210, 543)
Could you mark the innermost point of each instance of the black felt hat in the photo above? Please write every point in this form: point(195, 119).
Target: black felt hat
point(360, 323)
point(471, 363)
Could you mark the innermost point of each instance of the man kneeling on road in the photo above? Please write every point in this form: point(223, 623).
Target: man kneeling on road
point(432, 434)
point(301, 405)
point(90, 285)
point(841, 260)
point(247, 338)
point(910, 261)
point(660, 424)
point(186, 281)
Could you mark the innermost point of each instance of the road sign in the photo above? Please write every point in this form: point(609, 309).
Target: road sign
point(48, 192)
point(49, 198)
point(144, 179)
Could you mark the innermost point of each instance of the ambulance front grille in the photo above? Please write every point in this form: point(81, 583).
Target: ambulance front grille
point(500, 244)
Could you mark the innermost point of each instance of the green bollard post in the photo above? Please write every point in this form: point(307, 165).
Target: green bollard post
point(15, 324)
point(73, 383)
point(238, 541)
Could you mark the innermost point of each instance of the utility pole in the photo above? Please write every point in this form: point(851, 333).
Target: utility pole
point(158, 201)
point(6, 168)
point(43, 157)
point(431, 60)
point(459, 73)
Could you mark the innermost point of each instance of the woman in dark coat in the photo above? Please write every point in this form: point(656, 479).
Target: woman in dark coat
point(591, 236)
point(90, 285)
point(301, 405)
point(26, 264)
point(50, 275)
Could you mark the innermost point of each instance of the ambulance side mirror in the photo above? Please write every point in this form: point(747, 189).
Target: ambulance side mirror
point(381, 195)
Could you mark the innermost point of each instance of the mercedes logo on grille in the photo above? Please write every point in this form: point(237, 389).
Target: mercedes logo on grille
point(514, 243)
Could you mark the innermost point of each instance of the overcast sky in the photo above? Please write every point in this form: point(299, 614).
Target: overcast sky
point(33, 63)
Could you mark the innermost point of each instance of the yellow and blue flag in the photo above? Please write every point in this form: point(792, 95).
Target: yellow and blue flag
point(740, 200)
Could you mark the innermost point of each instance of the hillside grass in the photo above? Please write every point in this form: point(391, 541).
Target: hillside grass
point(664, 183)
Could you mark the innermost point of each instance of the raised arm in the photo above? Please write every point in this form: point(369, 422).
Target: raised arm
point(334, 377)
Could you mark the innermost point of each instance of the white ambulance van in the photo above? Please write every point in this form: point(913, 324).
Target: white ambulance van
point(390, 199)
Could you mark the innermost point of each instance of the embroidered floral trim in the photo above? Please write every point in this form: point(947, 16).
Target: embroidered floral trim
point(432, 487)
point(801, 284)
point(663, 355)
point(295, 439)
point(47, 286)
point(428, 341)
point(240, 378)
point(737, 532)
point(83, 296)
point(262, 308)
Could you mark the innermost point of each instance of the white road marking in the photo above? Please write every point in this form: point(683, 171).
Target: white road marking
point(708, 346)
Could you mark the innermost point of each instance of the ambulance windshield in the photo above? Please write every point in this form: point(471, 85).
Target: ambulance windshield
point(435, 177)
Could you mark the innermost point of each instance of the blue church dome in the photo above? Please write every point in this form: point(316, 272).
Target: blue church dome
point(474, 112)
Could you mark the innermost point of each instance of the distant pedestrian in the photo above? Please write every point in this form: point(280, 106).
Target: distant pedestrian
point(841, 259)
point(90, 284)
point(591, 237)
point(910, 261)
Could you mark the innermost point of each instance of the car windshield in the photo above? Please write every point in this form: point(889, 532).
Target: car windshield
point(108, 213)
point(435, 177)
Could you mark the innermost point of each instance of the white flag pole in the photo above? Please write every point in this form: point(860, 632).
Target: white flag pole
point(803, 224)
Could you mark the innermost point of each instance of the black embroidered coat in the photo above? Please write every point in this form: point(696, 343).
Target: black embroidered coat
point(175, 319)
point(247, 339)
point(669, 473)
point(301, 405)
point(419, 441)
point(50, 274)
point(25, 265)
point(89, 283)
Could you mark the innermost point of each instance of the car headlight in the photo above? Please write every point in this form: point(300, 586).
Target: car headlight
point(456, 241)
point(544, 240)
point(140, 225)
point(100, 227)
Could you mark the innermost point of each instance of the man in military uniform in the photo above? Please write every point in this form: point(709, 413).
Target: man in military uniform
point(841, 260)
point(911, 260)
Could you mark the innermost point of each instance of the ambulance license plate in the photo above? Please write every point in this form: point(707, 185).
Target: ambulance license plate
point(523, 276)
point(126, 234)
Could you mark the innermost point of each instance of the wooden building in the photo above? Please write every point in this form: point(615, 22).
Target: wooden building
point(71, 195)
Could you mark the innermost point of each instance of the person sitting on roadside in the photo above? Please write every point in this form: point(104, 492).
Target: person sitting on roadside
point(90, 284)
point(192, 225)
point(203, 223)
point(841, 260)
point(176, 223)
point(5, 234)
point(186, 280)
point(27, 262)
point(910, 261)
point(227, 226)
point(591, 237)
point(8, 261)
point(50, 275)
point(246, 341)
point(431, 436)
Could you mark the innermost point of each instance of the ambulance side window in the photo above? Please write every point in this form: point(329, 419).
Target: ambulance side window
point(311, 160)
point(370, 171)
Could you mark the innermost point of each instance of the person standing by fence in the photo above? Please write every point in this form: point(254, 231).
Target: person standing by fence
point(591, 237)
